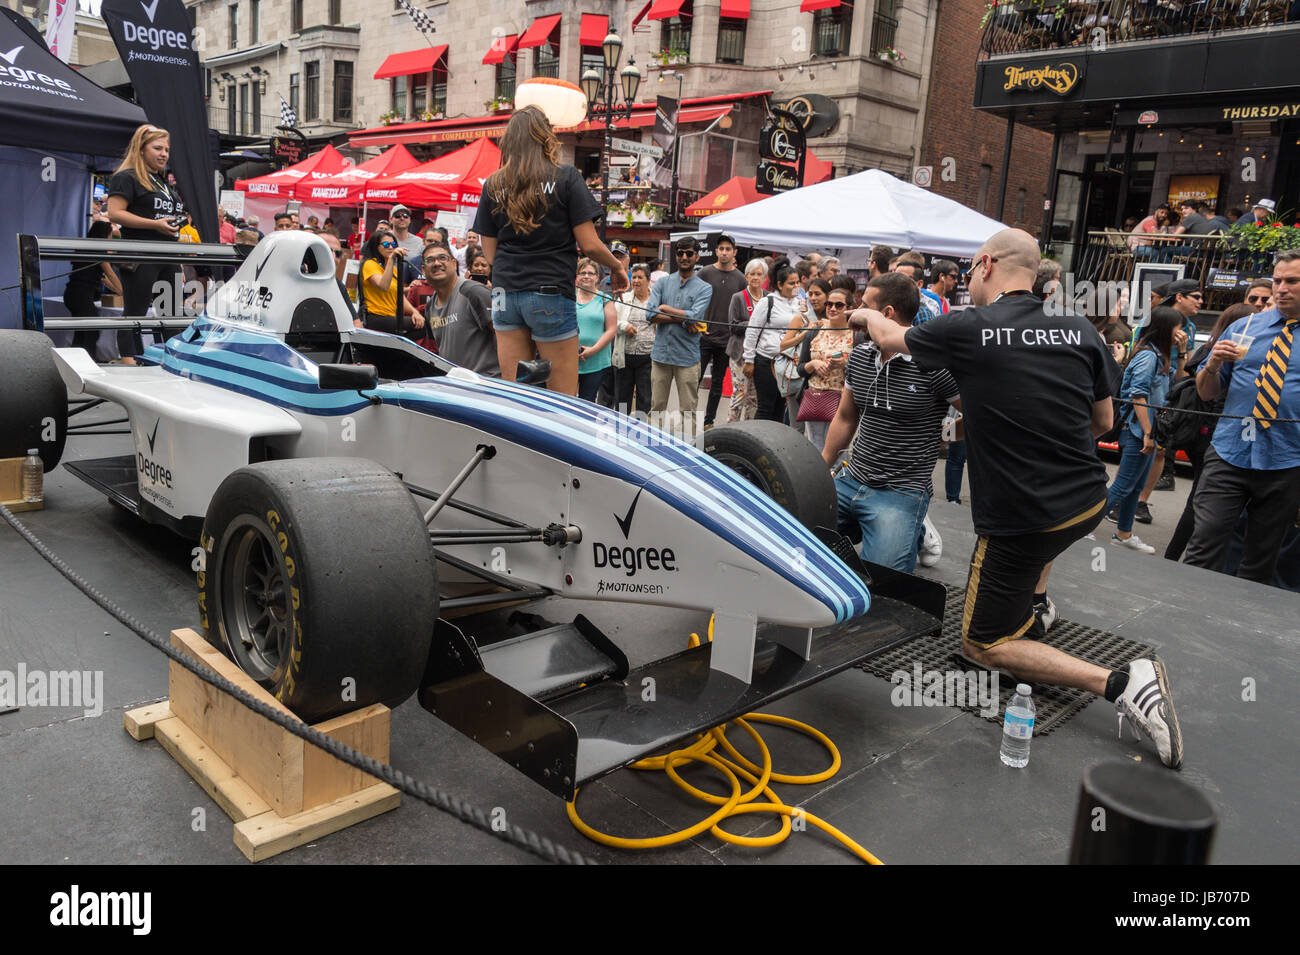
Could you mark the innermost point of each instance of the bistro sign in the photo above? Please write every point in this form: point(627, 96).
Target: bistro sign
point(1059, 79)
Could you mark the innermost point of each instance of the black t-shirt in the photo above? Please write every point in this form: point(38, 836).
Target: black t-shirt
point(725, 285)
point(160, 202)
point(1028, 383)
point(547, 255)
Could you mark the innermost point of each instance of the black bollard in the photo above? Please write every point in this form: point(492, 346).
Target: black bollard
point(1131, 814)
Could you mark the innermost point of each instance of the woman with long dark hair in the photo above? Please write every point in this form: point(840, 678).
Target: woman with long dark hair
point(145, 206)
point(767, 326)
point(532, 212)
point(1146, 382)
point(381, 285)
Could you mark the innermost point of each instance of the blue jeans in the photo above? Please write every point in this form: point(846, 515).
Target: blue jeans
point(548, 318)
point(1125, 490)
point(952, 470)
point(891, 520)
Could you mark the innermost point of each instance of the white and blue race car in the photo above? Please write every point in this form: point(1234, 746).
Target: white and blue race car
point(352, 493)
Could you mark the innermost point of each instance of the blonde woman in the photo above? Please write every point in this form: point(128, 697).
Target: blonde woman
point(532, 212)
point(145, 206)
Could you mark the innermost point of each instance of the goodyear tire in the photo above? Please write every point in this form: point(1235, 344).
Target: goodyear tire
point(319, 581)
point(33, 398)
point(782, 463)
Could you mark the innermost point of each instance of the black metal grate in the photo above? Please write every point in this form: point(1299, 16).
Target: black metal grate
point(1053, 704)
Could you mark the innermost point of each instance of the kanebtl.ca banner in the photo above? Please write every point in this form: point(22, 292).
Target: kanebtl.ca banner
point(154, 42)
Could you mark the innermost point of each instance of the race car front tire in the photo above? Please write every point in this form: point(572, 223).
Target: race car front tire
point(782, 463)
point(33, 398)
point(318, 579)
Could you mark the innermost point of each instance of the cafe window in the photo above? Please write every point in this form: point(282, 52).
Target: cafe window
point(419, 94)
point(342, 91)
point(731, 40)
point(312, 92)
point(546, 60)
point(439, 91)
point(675, 34)
point(506, 72)
point(592, 59)
point(831, 29)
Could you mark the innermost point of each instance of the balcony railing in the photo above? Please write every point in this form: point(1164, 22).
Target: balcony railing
point(883, 30)
point(1221, 264)
point(1053, 24)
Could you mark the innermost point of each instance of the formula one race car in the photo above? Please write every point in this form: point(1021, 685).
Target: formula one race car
point(353, 492)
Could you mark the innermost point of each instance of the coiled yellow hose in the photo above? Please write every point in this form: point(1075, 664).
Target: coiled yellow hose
point(703, 750)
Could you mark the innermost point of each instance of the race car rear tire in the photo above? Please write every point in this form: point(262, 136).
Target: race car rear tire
point(318, 580)
point(782, 463)
point(33, 398)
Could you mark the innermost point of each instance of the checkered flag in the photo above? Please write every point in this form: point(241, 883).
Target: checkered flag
point(423, 22)
point(287, 116)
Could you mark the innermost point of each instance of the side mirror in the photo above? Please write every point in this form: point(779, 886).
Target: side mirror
point(348, 377)
point(535, 372)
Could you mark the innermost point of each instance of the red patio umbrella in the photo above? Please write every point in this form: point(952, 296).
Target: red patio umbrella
point(348, 188)
point(740, 190)
point(448, 181)
point(328, 162)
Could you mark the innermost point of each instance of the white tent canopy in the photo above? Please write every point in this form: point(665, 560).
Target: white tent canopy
point(854, 213)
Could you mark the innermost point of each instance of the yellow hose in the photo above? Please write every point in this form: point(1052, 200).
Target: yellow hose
point(737, 803)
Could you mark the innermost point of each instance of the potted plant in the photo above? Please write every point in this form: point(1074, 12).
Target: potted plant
point(498, 104)
point(391, 117)
point(889, 54)
point(429, 115)
point(671, 56)
point(1264, 238)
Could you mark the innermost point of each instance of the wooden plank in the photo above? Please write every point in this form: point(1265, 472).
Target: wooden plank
point(233, 794)
point(267, 835)
point(268, 758)
point(325, 778)
point(17, 507)
point(140, 722)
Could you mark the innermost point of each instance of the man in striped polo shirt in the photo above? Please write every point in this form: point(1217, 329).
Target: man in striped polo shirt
point(893, 412)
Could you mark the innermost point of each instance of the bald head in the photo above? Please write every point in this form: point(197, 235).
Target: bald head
point(1007, 261)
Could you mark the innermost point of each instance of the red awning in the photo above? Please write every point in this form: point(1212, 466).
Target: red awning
point(663, 9)
point(540, 31)
point(641, 16)
point(411, 62)
point(643, 118)
point(808, 6)
point(735, 9)
point(595, 27)
point(732, 194)
point(500, 48)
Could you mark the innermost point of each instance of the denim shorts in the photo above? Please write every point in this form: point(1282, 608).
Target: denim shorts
point(549, 318)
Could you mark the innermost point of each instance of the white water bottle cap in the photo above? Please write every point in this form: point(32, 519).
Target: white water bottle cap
point(1024, 689)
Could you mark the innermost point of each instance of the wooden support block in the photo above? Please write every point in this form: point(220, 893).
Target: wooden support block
point(269, 834)
point(140, 722)
point(281, 791)
point(235, 797)
point(11, 486)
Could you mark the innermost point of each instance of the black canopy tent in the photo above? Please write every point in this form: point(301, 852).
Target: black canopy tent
point(56, 128)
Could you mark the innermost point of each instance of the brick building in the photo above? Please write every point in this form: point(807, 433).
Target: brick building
point(966, 147)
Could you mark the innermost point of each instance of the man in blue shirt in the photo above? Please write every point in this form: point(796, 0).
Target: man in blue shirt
point(678, 304)
point(1254, 459)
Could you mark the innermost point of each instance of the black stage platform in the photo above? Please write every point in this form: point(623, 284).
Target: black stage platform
point(918, 785)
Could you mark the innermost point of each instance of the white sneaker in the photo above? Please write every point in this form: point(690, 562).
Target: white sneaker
point(1046, 614)
point(1133, 543)
point(1148, 703)
point(931, 546)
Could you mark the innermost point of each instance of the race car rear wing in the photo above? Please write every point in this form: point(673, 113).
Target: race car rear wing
point(35, 249)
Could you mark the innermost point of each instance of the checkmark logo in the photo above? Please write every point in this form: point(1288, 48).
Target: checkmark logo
point(154, 437)
point(257, 270)
point(625, 522)
point(150, 9)
point(11, 55)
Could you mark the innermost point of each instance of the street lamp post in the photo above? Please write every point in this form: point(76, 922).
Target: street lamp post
point(601, 89)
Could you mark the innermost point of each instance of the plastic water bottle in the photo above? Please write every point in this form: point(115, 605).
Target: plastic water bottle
point(33, 477)
point(1018, 727)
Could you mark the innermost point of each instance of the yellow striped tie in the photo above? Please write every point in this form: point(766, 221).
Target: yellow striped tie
point(1272, 374)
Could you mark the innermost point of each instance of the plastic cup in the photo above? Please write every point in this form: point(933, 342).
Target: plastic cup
point(1242, 343)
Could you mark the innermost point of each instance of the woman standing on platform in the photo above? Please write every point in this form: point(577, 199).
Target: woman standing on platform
point(145, 206)
point(532, 212)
